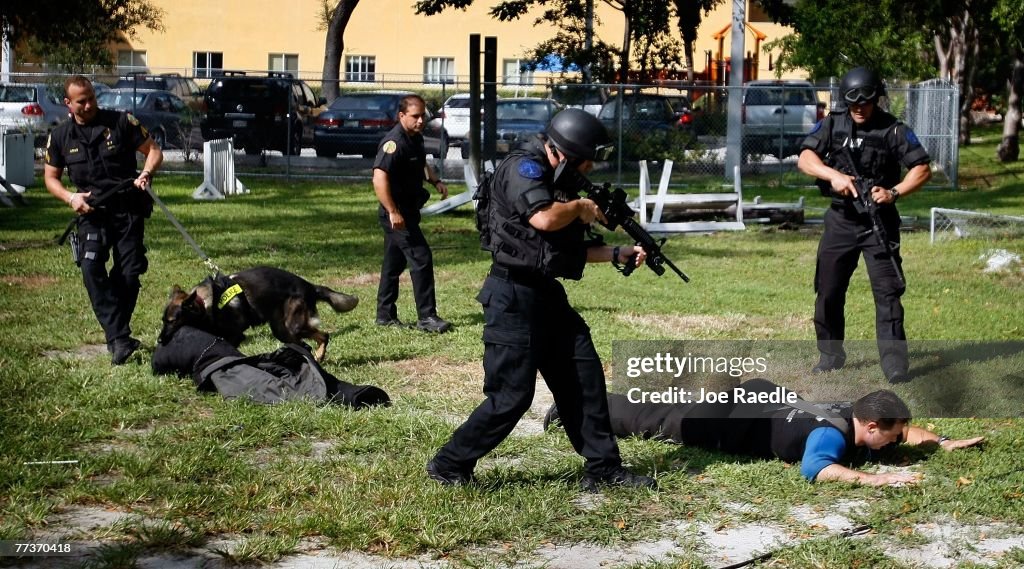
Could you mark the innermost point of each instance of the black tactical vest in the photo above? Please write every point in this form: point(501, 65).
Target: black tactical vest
point(517, 245)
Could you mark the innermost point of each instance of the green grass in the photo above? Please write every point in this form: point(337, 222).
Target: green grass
point(193, 469)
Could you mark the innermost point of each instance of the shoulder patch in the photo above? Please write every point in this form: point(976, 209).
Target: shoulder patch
point(390, 147)
point(132, 119)
point(912, 138)
point(816, 127)
point(530, 169)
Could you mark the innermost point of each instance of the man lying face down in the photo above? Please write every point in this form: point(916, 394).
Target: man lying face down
point(289, 373)
point(819, 440)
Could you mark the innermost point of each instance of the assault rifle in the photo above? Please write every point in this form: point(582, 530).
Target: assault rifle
point(619, 214)
point(865, 204)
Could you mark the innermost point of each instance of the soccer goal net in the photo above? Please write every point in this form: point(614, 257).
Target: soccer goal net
point(950, 224)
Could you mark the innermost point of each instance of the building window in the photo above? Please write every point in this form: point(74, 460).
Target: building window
point(438, 70)
point(513, 73)
point(287, 62)
point(360, 68)
point(755, 13)
point(131, 60)
point(207, 63)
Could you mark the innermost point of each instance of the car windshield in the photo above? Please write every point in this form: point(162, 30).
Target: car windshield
point(14, 94)
point(385, 103)
point(636, 108)
point(779, 96)
point(521, 111)
point(119, 101)
point(459, 103)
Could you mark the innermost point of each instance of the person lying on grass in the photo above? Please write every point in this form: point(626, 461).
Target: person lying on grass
point(819, 436)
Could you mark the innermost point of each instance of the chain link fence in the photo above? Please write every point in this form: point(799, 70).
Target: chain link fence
point(685, 123)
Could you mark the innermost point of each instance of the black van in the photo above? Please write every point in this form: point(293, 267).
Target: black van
point(254, 111)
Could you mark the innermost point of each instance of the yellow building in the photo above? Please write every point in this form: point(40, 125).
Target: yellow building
point(385, 40)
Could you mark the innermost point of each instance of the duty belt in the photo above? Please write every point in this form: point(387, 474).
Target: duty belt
point(521, 277)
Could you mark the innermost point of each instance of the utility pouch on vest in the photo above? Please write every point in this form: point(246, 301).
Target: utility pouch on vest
point(76, 254)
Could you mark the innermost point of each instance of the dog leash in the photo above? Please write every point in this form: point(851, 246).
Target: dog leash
point(188, 238)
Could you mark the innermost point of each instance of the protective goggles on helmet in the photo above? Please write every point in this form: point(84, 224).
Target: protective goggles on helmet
point(604, 152)
point(865, 94)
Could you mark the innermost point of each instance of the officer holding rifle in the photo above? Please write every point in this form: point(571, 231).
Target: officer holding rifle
point(856, 156)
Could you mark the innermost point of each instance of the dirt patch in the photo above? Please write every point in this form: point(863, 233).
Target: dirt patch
point(365, 279)
point(717, 325)
point(28, 281)
point(85, 352)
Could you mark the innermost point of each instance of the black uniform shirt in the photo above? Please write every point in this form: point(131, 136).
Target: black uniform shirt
point(403, 158)
point(99, 155)
point(880, 146)
point(523, 184)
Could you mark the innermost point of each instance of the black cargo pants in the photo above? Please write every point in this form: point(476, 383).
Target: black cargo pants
point(405, 247)
point(103, 235)
point(529, 326)
point(847, 236)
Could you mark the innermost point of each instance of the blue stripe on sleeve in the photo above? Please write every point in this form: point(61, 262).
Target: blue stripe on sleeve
point(825, 446)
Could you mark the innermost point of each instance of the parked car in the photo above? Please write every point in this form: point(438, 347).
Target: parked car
point(167, 118)
point(33, 107)
point(651, 128)
point(590, 98)
point(518, 119)
point(777, 115)
point(355, 124)
point(254, 111)
point(185, 88)
point(453, 116)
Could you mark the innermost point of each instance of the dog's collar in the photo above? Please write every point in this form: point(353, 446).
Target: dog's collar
point(230, 293)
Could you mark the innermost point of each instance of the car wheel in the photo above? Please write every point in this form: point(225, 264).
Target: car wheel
point(464, 150)
point(252, 149)
point(159, 138)
point(370, 155)
point(324, 153)
point(295, 148)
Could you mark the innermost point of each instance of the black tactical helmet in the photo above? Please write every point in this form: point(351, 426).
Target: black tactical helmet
point(578, 134)
point(860, 85)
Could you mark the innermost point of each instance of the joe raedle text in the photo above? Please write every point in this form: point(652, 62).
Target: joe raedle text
point(736, 395)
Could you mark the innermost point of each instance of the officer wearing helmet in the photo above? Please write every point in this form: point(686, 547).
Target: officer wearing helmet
point(537, 230)
point(881, 145)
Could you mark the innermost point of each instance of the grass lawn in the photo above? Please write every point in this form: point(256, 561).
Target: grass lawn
point(179, 472)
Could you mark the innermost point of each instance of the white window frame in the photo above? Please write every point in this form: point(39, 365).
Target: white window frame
point(360, 68)
point(208, 69)
point(438, 70)
point(284, 62)
point(132, 60)
point(520, 77)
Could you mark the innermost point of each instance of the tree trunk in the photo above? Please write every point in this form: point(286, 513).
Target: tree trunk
point(335, 47)
point(1009, 148)
point(626, 36)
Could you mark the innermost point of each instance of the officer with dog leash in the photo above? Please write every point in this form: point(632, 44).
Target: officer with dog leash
point(818, 436)
point(398, 174)
point(537, 231)
point(98, 148)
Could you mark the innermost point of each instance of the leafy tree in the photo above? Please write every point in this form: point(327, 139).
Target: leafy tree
point(76, 35)
point(1009, 16)
point(690, 14)
point(334, 21)
point(646, 34)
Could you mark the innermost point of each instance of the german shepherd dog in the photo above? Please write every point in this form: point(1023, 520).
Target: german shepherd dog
point(228, 305)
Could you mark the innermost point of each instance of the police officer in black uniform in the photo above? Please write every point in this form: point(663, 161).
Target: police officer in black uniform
point(880, 144)
point(767, 430)
point(98, 148)
point(537, 232)
point(398, 174)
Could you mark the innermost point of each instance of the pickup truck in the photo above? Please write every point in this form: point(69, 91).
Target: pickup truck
point(777, 115)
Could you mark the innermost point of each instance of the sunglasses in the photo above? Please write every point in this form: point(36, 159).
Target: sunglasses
point(604, 152)
point(861, 94)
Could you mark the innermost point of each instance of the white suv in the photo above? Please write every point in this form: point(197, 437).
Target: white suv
point(778, 115)
point(455, 116)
